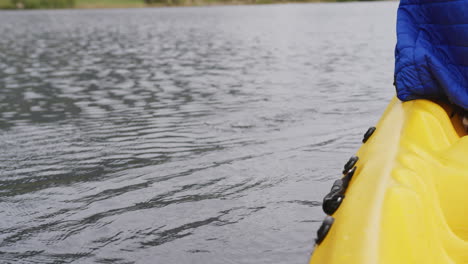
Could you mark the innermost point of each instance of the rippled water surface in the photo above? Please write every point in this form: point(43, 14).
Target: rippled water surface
point(182, 135)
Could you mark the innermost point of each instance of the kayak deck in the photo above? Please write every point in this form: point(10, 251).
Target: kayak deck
point(408, 199)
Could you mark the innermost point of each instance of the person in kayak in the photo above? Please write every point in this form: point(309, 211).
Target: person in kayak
point(431, 55)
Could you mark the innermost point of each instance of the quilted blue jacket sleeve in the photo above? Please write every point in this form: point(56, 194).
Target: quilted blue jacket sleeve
point(431, 55)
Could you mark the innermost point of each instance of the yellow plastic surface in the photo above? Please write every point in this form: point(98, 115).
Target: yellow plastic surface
point(408, 200)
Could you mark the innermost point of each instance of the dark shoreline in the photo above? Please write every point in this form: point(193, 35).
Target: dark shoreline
point(103, 4)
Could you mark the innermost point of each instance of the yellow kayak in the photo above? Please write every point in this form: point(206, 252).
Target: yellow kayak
point(404, 197)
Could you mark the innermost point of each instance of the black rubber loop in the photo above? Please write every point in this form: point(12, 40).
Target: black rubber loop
point(324, 229)
point(368, 134)
point(347, 178)
point(333, 200)
point(351, 162)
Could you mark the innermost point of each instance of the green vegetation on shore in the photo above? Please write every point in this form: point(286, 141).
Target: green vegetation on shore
point(48, 4)
point(109, 3)
point(35, 4)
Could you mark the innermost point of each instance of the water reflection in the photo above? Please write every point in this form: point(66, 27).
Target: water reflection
point(182, 135)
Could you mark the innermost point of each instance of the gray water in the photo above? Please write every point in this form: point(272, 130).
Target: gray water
point(182, 135)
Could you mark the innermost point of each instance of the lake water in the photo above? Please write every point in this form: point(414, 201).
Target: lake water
point(182, 135)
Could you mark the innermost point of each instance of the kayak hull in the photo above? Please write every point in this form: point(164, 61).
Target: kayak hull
point(407, 201)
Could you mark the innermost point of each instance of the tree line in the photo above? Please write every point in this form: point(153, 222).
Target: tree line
point(34, 4)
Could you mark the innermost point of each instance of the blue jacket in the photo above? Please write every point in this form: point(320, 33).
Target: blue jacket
point(431, 55)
